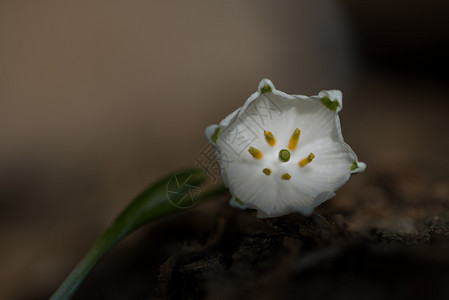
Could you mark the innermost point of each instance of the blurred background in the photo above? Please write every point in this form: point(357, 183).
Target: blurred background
point(100, 98)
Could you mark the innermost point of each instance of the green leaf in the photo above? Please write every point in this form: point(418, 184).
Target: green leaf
point(162, 198)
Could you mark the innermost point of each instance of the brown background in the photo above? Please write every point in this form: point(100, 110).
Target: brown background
point(99, 98)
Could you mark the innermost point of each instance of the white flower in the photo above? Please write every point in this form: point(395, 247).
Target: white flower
point(281, 153)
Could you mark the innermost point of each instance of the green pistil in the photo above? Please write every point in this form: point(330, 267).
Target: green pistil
point(284, 155)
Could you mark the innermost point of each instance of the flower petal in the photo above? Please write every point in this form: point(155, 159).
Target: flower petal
point(316, 163)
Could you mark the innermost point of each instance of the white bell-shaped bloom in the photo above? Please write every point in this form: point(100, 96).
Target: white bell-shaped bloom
point(281, 153)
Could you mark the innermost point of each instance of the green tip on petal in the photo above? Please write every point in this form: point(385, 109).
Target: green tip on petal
point(357, 167)
point(331, 105)
point(240, 202)
point(265, 89)
point(214, 137)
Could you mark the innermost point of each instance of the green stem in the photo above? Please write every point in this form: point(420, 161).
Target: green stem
point(104, 243)
point(152, 204)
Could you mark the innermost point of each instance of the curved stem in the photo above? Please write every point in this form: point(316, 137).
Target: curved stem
point(104, 243)
point(150, 205)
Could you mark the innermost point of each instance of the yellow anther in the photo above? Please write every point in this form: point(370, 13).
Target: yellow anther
point(255, 153)
point(270, 138)
point(306, 160)
point(294, 139)
point(285, 176)
point(266, 171)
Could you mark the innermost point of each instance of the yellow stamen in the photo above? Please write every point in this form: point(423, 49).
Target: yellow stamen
point(294, 139)
point(266, 171)
point(255, 153)
point(270, 138)
point(306, 160)
point(285, 176)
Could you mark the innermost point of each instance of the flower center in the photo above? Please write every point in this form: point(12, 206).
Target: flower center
point(284, 154)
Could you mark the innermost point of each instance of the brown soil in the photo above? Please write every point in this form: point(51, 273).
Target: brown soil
point(384, 236)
